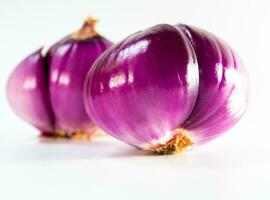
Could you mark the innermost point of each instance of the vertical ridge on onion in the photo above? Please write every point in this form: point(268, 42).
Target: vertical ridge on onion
point(215, 111)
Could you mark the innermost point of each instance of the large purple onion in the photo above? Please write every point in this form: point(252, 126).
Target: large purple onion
point(166, 88)
point(47, 91)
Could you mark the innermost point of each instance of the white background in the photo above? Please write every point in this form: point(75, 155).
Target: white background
point(235, 166)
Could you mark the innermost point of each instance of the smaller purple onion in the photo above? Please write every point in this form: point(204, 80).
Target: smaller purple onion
point(47, 91)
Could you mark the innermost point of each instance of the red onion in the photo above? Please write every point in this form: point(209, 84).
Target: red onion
point(166, 88)
point(47, 91)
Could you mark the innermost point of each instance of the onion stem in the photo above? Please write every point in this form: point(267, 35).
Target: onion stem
point(178, 143)
point(87, 30)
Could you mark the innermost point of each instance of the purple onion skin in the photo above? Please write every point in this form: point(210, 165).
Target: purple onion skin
point(223, 88)
point(163, 79)
point(69, 63)
point(27, 92)
point(47, 91)
point(140, 90)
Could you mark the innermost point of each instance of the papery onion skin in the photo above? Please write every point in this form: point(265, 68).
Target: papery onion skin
point(164, 82)
point(47, 90)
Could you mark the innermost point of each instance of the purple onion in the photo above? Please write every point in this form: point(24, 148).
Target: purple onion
point(166, 88)
point(47, 91)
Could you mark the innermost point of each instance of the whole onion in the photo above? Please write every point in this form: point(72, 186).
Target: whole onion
point(47, 90)
point(166, 88)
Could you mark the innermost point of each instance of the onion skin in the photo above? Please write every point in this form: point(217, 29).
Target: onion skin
point(27, 92)
point(223, 88)
point(69, 63)
point(123, 92)
point(47, 90)
point(166, 88)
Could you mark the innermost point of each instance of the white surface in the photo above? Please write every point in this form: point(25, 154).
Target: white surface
point(234, 166)
point(106, 169)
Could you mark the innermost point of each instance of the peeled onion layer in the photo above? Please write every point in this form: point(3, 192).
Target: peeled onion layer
point(47, 90)
point(166, 88)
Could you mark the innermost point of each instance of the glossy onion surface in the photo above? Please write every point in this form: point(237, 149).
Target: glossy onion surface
point(223, 88)
point(47, 90)
point(69, 62)
point(167, 81)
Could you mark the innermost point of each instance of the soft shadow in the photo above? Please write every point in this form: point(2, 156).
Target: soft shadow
point(132, 152)
point(105, 148)
point(195, 158)
point(44, 149)
point(100, 141)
